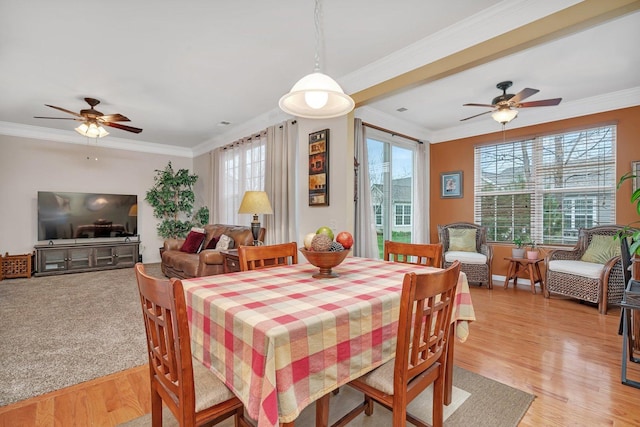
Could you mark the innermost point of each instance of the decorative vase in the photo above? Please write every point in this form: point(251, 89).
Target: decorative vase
point(533, 254)
point(517, 252)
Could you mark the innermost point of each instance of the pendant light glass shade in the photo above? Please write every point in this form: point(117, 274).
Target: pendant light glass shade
point(504, 115)
point(316, 96)
point(91, 130)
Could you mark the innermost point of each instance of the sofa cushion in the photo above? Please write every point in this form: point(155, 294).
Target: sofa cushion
point(591, 270)
point(212, 243)
point(462, 239)
point(465, 257)
point(601, 249)
point(224, 243)
point(193, 242)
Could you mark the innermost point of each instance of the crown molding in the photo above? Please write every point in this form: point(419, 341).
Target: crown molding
point(72, 137)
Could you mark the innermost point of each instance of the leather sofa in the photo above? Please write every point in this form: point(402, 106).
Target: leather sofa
point(207, 262)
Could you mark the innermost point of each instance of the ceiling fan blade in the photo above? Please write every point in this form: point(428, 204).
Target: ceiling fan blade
point(123, 127)
point(524, 93)
point(481, 114)
point(541, 103)
point(478, 105)
point(60, 118)
point(64, 109)
point(113, 118)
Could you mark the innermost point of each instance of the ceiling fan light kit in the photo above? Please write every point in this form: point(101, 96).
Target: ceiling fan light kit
point(91, 130)
point(316, 95)
point(504, 115)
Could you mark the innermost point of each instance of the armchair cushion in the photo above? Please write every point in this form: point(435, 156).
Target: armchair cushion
point(224, 243)
point(462, 239)
point(578, 268)
point(465, 257)
point(601, 249)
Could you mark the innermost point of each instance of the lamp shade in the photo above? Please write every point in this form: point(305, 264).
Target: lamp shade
point(316, 96)
point(255, 202)
point(504, 115)
point(92, 130)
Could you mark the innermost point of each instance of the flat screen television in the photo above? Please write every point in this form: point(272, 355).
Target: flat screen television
point(86, 215)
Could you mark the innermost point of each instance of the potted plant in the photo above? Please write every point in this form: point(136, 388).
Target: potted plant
point(518, 251)
point(172, 199)
point(533, 252)
point(628, 232)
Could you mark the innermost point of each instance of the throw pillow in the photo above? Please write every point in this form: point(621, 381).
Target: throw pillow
point(212, 243)
point(224, 243)
point(601, 249)
point(193, 242)
point(462, 239)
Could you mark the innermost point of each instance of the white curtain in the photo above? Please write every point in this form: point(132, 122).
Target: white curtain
point(365, 238)
point(237, 167)
point(280, 182)
point(421, 195)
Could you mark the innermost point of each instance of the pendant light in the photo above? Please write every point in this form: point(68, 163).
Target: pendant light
point(316, 95)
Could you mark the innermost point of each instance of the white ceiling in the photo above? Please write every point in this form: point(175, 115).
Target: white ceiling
point(178, 69)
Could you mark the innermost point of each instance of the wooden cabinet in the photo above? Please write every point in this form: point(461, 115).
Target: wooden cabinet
point(230, 261)
point(74, 258)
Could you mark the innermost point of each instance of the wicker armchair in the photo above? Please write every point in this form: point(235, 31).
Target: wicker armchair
point(477, 272)
point(607, 289)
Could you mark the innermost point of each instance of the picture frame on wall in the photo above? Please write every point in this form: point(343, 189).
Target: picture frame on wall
point(319, 168)
point(635, 169)
point(451, 185)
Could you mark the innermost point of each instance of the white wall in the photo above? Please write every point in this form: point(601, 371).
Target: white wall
point(30, 165)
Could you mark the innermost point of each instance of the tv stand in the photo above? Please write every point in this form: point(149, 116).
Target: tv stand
point(80, 257)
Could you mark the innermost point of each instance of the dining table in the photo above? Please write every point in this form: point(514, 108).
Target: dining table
point(281, 339)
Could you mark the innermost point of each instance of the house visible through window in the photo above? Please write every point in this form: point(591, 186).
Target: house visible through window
point(546, 188)
point(403, 214)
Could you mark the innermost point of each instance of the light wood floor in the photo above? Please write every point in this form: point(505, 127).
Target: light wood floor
point(564, 352)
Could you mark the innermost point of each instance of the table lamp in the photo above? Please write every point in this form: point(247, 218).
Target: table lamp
point(255, 202)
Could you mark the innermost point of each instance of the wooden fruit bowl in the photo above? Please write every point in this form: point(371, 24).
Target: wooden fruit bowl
point(325, 261)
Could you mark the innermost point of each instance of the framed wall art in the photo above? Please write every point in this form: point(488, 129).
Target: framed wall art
point(451, 185)
point(319, 168)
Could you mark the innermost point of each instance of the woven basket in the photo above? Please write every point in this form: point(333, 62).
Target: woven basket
point(14, 266)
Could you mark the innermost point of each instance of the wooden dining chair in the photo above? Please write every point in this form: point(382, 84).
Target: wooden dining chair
point(258, 257)
point(194, 394)
point(420, 350)
point(413, 253)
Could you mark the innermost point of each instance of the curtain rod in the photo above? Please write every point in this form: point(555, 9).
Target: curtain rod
point(369, 125)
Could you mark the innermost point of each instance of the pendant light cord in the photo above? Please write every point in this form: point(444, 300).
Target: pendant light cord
point(316, 20)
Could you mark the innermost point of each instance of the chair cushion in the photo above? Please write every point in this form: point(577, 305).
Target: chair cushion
point(381, 378)
point(209, 389)
point(578, 268)
point(601, 249)
point(462, 239)
point(465, 257)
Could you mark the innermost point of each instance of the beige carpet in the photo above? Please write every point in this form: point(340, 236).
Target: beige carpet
point(477, 402)
point(58, 331)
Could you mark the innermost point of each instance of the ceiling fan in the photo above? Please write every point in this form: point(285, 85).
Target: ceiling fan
point(504, 106)
point(93, 120)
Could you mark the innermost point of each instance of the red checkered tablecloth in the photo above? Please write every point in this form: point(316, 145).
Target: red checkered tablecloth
point(281, 339)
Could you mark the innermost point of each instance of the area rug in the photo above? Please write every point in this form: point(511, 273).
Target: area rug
point(62, 330)
point(477, 401)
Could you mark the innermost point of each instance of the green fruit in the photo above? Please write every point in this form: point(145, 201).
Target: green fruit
point(326, 231)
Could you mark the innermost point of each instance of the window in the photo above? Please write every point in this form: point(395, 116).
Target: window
point(546, 188)
point(403, 214)
point(377, 211)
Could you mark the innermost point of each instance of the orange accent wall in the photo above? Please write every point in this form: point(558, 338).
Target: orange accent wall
point(458, 155)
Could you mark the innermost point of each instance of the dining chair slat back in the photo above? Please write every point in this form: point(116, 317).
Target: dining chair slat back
point(426, 307)
point(259, 257)
point(193, 394)
point(414, 253)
